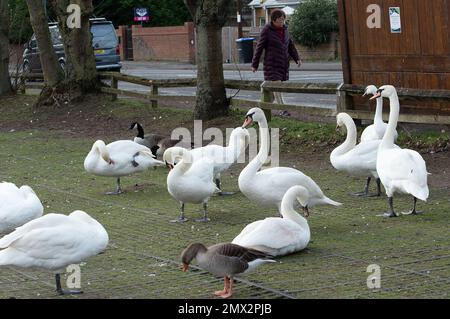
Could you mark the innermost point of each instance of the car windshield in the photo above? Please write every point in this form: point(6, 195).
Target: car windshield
point(104, 36)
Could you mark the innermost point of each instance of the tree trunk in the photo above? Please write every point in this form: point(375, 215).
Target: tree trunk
point(209, 17)
point(53, 73)
point(81, 69)
point(5, 81)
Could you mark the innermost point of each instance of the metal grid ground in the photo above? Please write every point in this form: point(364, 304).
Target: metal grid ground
point(142, 260)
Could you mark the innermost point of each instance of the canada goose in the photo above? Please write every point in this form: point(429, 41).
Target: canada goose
point(156, 143)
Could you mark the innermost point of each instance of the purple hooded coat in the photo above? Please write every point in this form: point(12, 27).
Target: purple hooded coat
point(276, 55)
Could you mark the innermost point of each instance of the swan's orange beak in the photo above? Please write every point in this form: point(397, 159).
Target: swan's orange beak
point(185, 267)
point(375, 96)
point(248, 121)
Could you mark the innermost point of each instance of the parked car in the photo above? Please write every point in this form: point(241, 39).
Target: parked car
point(104, 42)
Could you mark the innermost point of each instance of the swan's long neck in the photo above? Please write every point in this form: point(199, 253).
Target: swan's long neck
point(287, 211)
point(378, 119)
point(263, 153)
point(183, 166)
point(350, 140)
point(100, 147)
point(389, 135)
point(235, 147)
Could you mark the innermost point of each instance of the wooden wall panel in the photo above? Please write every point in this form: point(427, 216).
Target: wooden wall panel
point(417, 58)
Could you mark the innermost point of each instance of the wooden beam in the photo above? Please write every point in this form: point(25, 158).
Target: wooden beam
point(309, 110)
point(298, 87)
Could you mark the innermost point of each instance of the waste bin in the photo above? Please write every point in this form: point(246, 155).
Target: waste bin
point(245, 49)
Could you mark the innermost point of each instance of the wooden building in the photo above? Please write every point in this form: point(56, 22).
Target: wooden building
point(405, 43)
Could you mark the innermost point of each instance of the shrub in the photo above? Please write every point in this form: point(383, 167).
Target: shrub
point(314, 21)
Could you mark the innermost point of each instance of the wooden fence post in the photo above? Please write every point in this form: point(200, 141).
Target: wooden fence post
point(114, 85)
point(22, 84)
point(266, 97)
point(154, 92)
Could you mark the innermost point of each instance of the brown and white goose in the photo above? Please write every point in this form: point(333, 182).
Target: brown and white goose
point(225, 260)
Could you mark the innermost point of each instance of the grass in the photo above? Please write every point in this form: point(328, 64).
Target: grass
point(143, 257)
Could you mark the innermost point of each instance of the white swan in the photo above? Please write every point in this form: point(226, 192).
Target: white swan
point(17, 206)
point(279, 236)
point(53, 242)
point(356, 160)
point(267, 187)
point(189, 181)
point(223, 157)
point(400, 170)
point(119, 158)
point(377, 129)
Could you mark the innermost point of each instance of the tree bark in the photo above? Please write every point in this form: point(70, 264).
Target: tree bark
point(81, 69)
point(53, 73)
point(5, 81)
point(209, 17)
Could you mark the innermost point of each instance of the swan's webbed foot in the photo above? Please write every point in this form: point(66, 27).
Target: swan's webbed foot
point(205, 218)
point(225, 193)
point(413, 211)
point(361, 194)
point(63, 292)
point(389, 214)
point(118, 190)
point(179, 220)
point(202, 220)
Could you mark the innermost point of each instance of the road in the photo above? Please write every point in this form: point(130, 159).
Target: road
point(312, 73)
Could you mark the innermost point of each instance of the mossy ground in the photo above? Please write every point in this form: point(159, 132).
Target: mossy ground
point(143, 257)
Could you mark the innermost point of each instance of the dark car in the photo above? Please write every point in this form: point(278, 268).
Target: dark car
point(104, 41)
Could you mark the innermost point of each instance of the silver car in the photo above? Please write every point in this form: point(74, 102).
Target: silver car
point(104, 42)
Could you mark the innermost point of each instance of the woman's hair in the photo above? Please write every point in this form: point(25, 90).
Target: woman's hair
point(277, 13)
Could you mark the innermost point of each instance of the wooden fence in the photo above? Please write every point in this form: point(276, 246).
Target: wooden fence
point(344, 91)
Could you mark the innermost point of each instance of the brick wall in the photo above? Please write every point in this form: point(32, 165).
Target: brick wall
point(164, 43)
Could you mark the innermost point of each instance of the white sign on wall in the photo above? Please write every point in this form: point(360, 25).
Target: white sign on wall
point(394, 17)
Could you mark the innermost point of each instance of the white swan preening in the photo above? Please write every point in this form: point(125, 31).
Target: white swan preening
point(223, 157)
point(357, 160)
point(279, 236)
point(400, 170)
point(189, 181)
point(17, 206)
point(53, 242)
point(267, 187)
point(156, 143)
point(224, 260)
point(377, 129)
point(119, 158)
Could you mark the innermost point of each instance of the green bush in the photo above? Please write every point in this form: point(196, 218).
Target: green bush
point(314, 21)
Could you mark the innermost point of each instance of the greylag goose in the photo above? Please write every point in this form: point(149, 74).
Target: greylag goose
point(225, 260)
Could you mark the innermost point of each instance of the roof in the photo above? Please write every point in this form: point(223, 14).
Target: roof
point(288, 10)
point(273, 3)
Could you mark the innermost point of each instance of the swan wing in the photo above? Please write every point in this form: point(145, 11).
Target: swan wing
point(44, 222)
point(369, 134)
point(272, 232)
point(280, 179)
